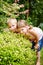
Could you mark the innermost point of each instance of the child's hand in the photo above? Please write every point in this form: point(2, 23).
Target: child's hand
point(36, 46)
point(38, 63)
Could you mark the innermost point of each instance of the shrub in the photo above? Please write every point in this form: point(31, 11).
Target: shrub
point(42, 57)
point(7, 10)
point(15, 50)
point(36, 12)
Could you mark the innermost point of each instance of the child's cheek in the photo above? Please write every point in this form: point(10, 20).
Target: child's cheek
point(22, 32)
point(15, 26)
point(11, 28)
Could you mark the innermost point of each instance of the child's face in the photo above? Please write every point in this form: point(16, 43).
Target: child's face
point(12, 26)
point(23, 30)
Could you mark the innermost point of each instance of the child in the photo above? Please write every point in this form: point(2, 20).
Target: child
point(22, 27)
point(38, 41)
point(12, 23)
point(35, 35)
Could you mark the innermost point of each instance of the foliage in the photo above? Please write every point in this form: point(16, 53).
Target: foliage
point(15, 50)
point(42, 57)
point(29, 21)
point(8, 9)
point(36, 12)
point(9, 1)
point(41, 26)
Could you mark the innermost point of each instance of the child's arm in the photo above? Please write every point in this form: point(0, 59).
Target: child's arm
point(35, 35)
point(34, 38)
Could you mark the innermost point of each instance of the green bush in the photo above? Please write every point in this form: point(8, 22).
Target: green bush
point(36, 12)
point(8, 9)
point(41, 26)
point(42, 57)
point(15, 50)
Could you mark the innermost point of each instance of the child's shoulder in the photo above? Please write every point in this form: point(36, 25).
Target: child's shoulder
point(37, 29)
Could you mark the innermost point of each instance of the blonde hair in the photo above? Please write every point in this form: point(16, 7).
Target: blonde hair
point(11, 20)
point(30, 26)
point(21, 23)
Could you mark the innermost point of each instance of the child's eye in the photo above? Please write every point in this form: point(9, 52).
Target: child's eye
point(13, 25)
point(22, 29)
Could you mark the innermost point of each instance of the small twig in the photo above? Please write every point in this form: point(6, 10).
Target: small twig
point(21, 6)
point(24, 12)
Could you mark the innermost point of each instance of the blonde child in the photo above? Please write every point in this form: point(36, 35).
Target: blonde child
point(35, 35)
point(37, 42)
point(12, 24)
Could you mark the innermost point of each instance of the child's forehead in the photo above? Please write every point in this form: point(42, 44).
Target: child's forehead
point(22, 21)
point(12, 22)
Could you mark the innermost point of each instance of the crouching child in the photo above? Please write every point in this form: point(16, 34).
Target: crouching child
point(37, 42)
